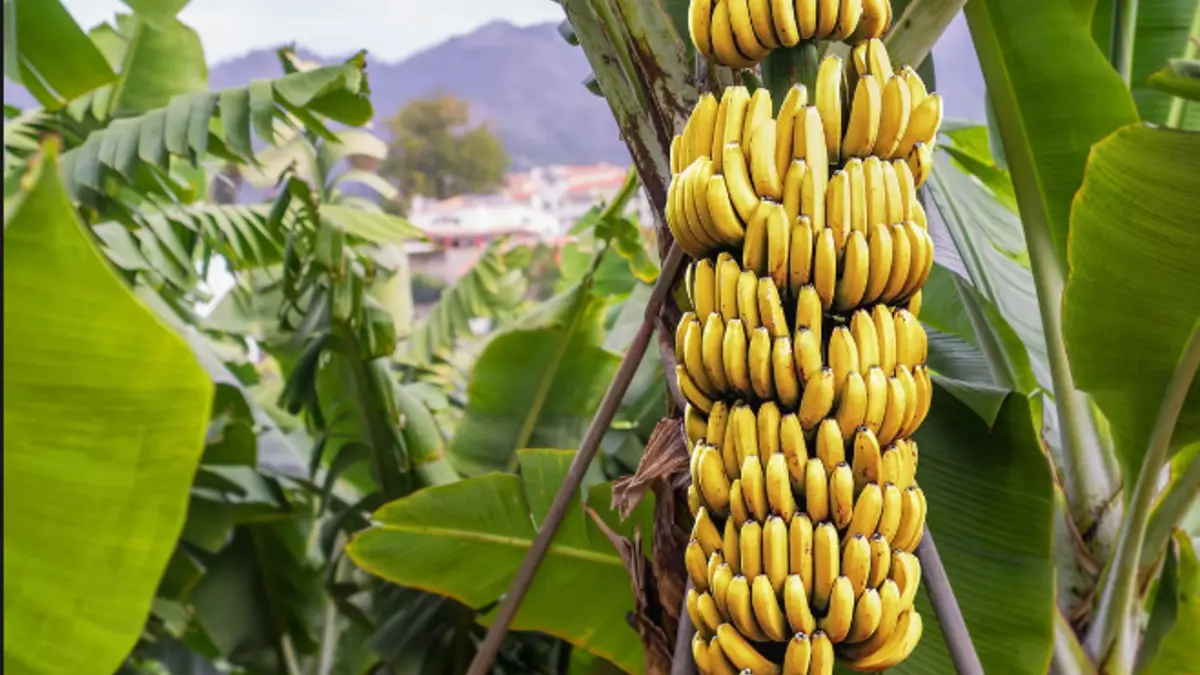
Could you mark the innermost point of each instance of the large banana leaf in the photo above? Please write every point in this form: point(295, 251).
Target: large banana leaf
point(1132, 298)
point(105, 412)
point(467, 540)
point(1176, 653)
point(45, 50)
point(536, 384)
point(1054, 95)
point(990, 510)
point(161, 58)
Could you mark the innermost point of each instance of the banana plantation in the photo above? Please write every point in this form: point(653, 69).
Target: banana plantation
point(877, 389)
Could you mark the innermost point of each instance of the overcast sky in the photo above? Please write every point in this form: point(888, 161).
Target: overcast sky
point(388, 29)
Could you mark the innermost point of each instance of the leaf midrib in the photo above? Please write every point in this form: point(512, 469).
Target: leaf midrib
point(512, 542)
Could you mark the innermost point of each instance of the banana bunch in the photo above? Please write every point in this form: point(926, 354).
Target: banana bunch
point(740, 33)
point(802, 358)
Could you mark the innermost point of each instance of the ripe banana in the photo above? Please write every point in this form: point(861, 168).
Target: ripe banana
point(693, 359)
point(826, 564)
point(808, 309)
point(876, 191)
point(768, 430)
point(704, 288)
point(800, 557)
point(760, 20)
point(881, 560)
point(852, 408)
point(912, 521)
point(830, 445)
point(807, 352)
point(862, 329)
point(775, 553)
point(745, 431)
point(825, 268)
point(779, 489)
point(906, 570)
point(734, 354)
point(908, 191)
point(889, 615)
point(890, 513)
point(894, 116)
point(750, 555)
point(914, 303)
point(694, 423)
point(676, 221)
point(793, 188)
point(783, 369)
point(705, 531)
point(711, 343)
point(816, 491)
point(691, 391)
point(822, 654)
point(858, 195)
point(827, 15)
point(702, 125)
point(894, 200)
point(754, 247)
point(770, 309)
point(763, 172)
point(779, 233)
point(806, 18)
point(718, 585)
point(760, 364)
point(797, 656)
point(697, 565)
point(879, 265)
point(709, 614)
point(731, 544)
point(767, 611)
point(737, 178)
point(714, 484)
point(848, 17)
point(785, 123)
point(923, 125)
point(875, 20)
point(865, 466)
point(889, 466)
point(843, 357)
point(724, 44)
point(837, 208)
point(809, 137)
point(901, 261)
point(758, 112)
point(726, 289)
point(747, 300)
point(838, 618)
point(693, 500)
point(920, 162)
point(724, 216)
point(829, 90)
point(817, 399)
point(855, 273)
point(909, 336)
point(741, 613)
point(754, 490)
point(700, 653)
point(720, 662)
point(899, 646)
point(700, 15)
point(743, 31)
point(867, 612)
point(924, 398)
point(841, 495)
point(856, 562)
point(865, 111)
point(867, 510)
point(793, 447)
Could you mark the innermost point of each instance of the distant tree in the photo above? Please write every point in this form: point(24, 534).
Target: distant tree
point(433, 152)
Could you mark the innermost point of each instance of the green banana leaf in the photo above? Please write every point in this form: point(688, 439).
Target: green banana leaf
point(161, 59)
point(105, 411)
point(1054, 96)
point(466, 541)
point(1176, 652)
point(47, 52)
point(536, 384)
point(991, 513)
point(1131, 300)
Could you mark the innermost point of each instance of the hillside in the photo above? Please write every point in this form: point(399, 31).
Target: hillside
point(527, 83)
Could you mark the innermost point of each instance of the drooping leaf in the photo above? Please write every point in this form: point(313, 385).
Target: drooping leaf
point(101, 401)
point(163, 60)
point(1130, 303)
point(536, 384)
point(47, 52)
point(991, 512)
point(1048, 117)
point(1176, 651)
point(467, 540)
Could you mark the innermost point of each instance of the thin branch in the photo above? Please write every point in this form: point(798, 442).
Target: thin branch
point(1112, 638)
point(486, 655)
point(945, 606)
point(1179, 105)
point(1124, 33)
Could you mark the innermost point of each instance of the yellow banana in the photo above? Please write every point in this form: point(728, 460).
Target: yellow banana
point(718, 585)
point(800, 557)
point(734, 355)
point(896, 109)
point(738, 513)
point(822, 661)
point(876, 191)
point(885, 329)
point(770, 309)
point(841, 495)
point(727, 280)
point(863, 128)
point(700, 654)
point(867, 459)
point(908, 191)
point(779, 488)
point(711, 341)
point(740, 652)
point(855, 271)
point(858, 195)
point(890, 610)
point(907, 449)
point(830, 444)
point(901, 261)
point(918, 250)
point(676, 155)
point(785, 123)
point(760, 364)
point(741, 612)
point(826, 564)
point(730, 458)
point(924, 398)
point(760, 21)
point(867, 612)
point(676, 221)
point(714, 427)
point(704, 288)
point(878, 62)
point(867, 510)
point(914, 303)
point(697, 565)
point(693, 609)
point(754, 248)
point(852, 407)
point(775, 553)
point(754, 489)
point(691, 391)
point(758, 112)
point(709, 614)
point(783, 15)
point(798, 654)
point(806, 18)
point(916, 87)
point(908, 342)
point(690, 208)
point(783, 369)
point(848, 17)
point(808, 309)
point(875, 20)
point(825, 268)
point(793, 447)
point(879, 265)
point(694, 423)
point(706, 532)
point(743, 31)
point(829, 96)
point(693, 500)
point(737, 178)
point(700, 26)
point(918, 211)
point(862, 329)
point(745, 432)
point(906, 571)
point(837, 208)
point(763, 172)
point(720, 662)
point(842, 358)
point(800, 254)
point(807, 353)
point(881, 560)
point(733, 102)
point(704, 121)
point(890, 513)
point(817, 399)
point(714, 483)
point(724, 216)
point(827, 16)
point(902, 643)
point(750, 540)
point(809, 137)
point(889, 465)
point(923, 125)
point(836, 623)
point(920, 162)
point(856, 562)
point(767, 422)
point(779, 233)
point(747, 300)
point(912, 521)
point(767, 610)
point(793, 188)
point(731, 544)
point(724, 43)
point(816, 491)
point(693, 359)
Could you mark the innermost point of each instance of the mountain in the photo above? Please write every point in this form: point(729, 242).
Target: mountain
point(526, 83)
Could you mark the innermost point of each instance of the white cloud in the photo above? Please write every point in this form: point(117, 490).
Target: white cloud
point(388, 29)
